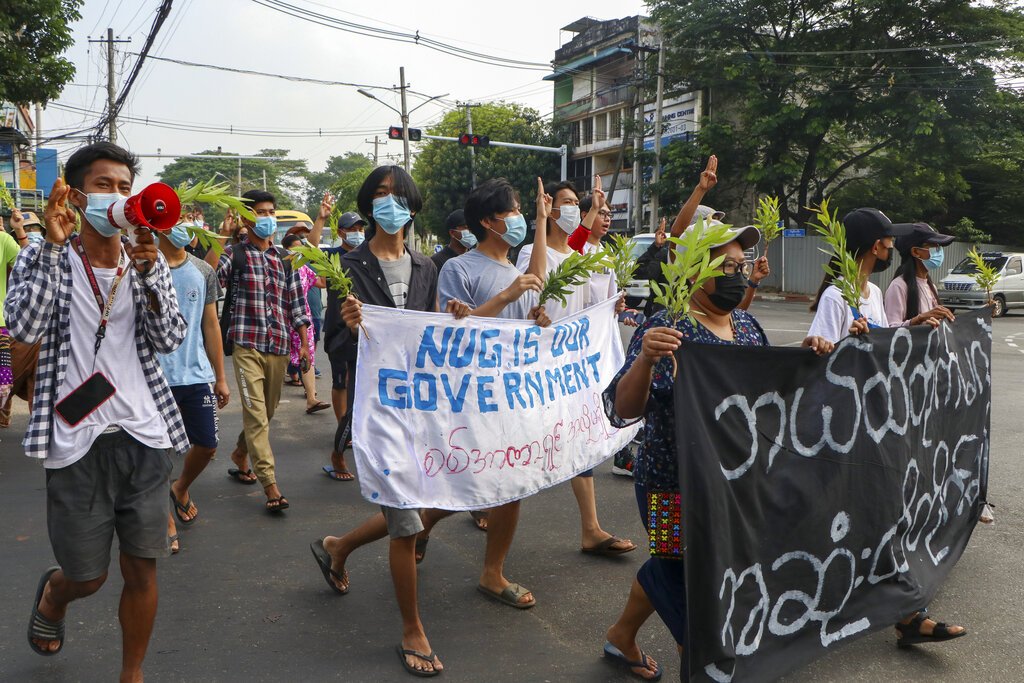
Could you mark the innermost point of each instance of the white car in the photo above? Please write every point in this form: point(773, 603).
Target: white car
point(639, 290)
point(958, 289)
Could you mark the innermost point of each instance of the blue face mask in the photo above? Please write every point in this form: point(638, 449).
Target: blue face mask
point(34, 237)
point(265, 226)
point(179, 236)
point(390, 214)
point(354, 238)
point(467, 239)
point(96, 211)
point(936, 256)
point(515, 230)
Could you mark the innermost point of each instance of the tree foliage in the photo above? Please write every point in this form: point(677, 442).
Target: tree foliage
point(342, 177)
point(442, 168)
point(34, 34)
point(884, 100)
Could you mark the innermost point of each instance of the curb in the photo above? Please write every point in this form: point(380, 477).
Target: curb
point(783, 296)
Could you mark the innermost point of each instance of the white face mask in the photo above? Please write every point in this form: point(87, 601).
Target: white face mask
point(568, 218)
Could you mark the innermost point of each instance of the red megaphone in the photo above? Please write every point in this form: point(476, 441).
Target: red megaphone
point(157, 207)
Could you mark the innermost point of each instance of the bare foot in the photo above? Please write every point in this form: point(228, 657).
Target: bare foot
point(340, 468)
point(181, 496)
point(500, 584)
point(595, 539)
point(241, 461)
point(419, 643)
point(49, 612)
point(632, 652)
point(332, 544)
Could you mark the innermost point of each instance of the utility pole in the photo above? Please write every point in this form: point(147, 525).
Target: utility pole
point(376, 143)
point(264, 180)
point(111, 119)
point(239, 176)
point(658, 130)
point(405, 121)
point(638, 142)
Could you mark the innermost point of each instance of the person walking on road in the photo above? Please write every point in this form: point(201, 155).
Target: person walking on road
point(104, 420)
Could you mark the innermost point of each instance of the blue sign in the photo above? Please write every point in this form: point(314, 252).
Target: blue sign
point(794, 232)
point(438, 248)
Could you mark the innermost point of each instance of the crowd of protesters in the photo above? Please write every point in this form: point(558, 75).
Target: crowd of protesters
point(107, 424)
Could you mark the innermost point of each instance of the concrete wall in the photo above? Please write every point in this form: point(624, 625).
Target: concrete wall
point(798, 261)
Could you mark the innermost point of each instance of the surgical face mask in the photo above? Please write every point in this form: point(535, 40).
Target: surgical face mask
point(729, 291)
point(34, 237)
point(515, 230)
point(354, 238)
point(179, 236)
point(467, 239)
point(568, 218)
point(96, 211)
point(936, 255)
point(390, 214)
point(265, 226)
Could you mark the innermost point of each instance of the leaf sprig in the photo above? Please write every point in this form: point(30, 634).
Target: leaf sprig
point(332, 221)
point(5, 196)
point(324, 265)
point(210, 192)
point(985, 276)
point(209, 239)
point(572, 272)
point(691, 267)
point(619, 255)
point(842, 267)
point(767, 219)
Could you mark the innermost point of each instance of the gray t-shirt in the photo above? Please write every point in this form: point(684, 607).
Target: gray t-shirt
point(398, 273)
point(475, 279)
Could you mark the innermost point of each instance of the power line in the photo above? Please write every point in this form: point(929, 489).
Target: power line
point(250, 72)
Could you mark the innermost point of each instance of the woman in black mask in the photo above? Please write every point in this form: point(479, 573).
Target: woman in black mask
point(643, 390)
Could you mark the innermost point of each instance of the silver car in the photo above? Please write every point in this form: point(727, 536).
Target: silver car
point(958, 289)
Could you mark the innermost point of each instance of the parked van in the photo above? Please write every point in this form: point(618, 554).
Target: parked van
point(958, 289)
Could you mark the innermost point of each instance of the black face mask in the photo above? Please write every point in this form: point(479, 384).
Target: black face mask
point(729, 292)
point(881, 265)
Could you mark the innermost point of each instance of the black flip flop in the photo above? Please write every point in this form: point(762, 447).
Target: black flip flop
point(331, 472)
point(605, 549)
point(39, 626)
point(239, 476)
point(402, 652)
point(323, 560)
point(180, 509)
point(281, 506)
point(421, 548)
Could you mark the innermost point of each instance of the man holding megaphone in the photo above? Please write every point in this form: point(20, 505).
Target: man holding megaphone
point(104, 420)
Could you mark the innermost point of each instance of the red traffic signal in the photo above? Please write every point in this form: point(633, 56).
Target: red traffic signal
point(472, 140)
point(395, 133)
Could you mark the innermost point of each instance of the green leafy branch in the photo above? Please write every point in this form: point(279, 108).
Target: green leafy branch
point(691, 267)
point(619, 255)
point(842, 267)
point(217, 194)
point(326, 266)
point(332, 221)
point(985, 276)
point(572, 272)
point(207, 238)
point(767, 219)
point(5, 196)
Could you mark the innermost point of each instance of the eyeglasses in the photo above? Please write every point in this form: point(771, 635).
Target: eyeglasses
point(604, 214)
point(730, 267)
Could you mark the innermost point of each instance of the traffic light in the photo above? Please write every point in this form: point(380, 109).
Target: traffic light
point(473, 140)
point(395, 133)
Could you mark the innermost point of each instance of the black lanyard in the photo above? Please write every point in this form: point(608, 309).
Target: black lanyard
point(105, 307)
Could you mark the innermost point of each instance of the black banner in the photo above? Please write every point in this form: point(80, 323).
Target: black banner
point(825, 498)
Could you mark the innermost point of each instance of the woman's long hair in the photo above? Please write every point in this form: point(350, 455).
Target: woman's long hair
point(826, 282)
point(908, 271)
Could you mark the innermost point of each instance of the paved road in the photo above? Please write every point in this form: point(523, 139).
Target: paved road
point(244, 600)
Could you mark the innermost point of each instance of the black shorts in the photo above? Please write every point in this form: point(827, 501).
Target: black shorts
point(198, 407)
point(340, 369)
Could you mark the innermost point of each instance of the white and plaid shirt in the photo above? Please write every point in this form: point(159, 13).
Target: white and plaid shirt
point(38, 306)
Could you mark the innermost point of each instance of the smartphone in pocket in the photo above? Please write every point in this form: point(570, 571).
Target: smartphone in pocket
point(83, 401)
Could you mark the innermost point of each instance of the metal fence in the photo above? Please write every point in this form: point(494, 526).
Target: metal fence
point(796, 263)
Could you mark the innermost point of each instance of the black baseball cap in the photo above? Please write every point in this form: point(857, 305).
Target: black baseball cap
point(864, 227)
point(922, 235)
point(348, 219)
point(456, 219)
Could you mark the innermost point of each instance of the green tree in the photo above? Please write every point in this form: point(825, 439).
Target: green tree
point(33, 36)
point(808, 94)
point(285, 177)
point(442, 169)
point(336, 178)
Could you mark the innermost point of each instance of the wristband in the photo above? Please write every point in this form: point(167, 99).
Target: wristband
point(752, 284)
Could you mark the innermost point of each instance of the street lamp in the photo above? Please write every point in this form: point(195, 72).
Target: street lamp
point(403, 114)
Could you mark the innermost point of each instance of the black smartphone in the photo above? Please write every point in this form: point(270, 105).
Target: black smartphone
point(80, 403)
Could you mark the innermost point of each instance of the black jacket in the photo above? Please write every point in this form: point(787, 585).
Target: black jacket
point(370, 287)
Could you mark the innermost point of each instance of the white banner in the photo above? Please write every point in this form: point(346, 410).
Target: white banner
point(469, 414)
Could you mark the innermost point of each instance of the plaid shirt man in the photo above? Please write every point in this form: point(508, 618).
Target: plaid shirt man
point(264, 301)
point(38, 306)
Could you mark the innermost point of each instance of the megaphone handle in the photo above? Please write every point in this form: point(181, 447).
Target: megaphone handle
point(134, 242)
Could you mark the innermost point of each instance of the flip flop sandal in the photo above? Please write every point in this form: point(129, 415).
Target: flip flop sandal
point(182, 509)
point(282, 504)
point(171, 540)
point(614, 655)
point(605, 549)
point(402, 652)
point(510, 596)
point(323, 560)
point(240, 476)
point(336, 475)
point(479, 516)
point(317, 408)
point(421, 548)
point(910, 634)
point(39, 626)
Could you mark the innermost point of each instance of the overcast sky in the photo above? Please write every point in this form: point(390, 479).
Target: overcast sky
point(243, 34)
